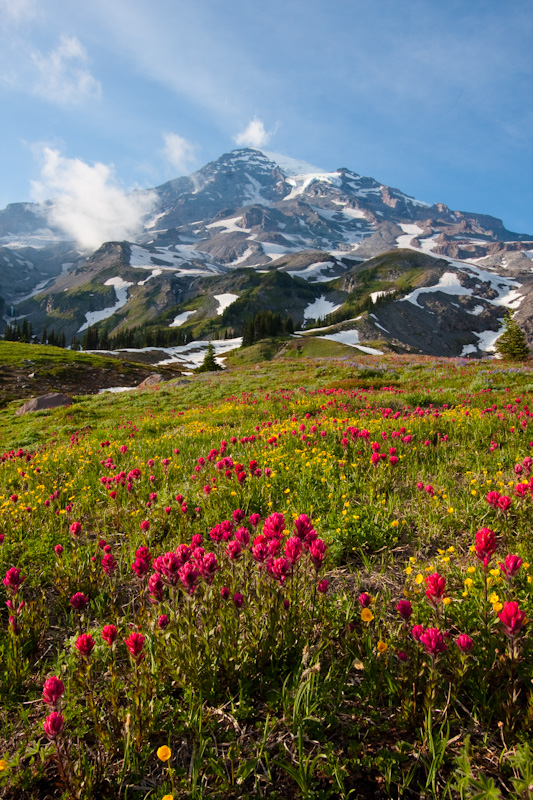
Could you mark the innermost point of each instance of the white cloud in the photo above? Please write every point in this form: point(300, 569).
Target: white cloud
point(254, 135)
point(179, 151)
point(64, 75)
point(87, 202)
point(17, 10)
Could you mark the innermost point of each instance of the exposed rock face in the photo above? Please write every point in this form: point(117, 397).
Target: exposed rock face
point(151, 380)
point(45, 401)
point(250, 209)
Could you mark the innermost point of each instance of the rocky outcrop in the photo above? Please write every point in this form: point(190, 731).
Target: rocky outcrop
point(45, 401)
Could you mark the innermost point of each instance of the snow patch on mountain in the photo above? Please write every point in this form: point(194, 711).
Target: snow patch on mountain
point(320, 308)
point(448, 284)
point(224, 300)
point(153, 274)
point(302, 182)
point(229, 225)
point(292, 166)
point(181, 319)
point(121, 290)
point(410, 232)
point(314, 272)
point(351, 338)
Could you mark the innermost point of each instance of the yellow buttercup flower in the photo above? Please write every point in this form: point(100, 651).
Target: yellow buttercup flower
point(168, 797)
point(367, 615)
point(3, 764)
point(447, 601)
point(164, 753)
point(382, 646)
point(419, 578)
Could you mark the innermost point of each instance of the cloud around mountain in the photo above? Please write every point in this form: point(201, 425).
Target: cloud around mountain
point(87, 202)
point(254, 135)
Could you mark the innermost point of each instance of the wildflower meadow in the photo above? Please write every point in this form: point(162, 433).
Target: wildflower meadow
point(303, 579)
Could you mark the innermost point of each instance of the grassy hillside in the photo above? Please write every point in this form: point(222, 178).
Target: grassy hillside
point(307, 577)
point(31, 370)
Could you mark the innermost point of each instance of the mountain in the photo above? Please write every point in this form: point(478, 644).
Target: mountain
point(254, 230)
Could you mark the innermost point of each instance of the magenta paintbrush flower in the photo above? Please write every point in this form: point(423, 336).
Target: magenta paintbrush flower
point(53, 689)
point(485, 546)
point(53, 725)
point(464, 643)
point(135, 644)
point(13, 580)
point(510, 566)
point(79, 601)
point(436, 586)
point(512, 618)
point(109, 634)
point(293, 549)
point(84, 644)
point(433, 641)
point(404, 609)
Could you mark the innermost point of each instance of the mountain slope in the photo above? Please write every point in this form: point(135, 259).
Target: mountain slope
point(256, 211)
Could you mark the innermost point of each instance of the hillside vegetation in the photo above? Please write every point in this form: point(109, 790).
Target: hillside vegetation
point(307, 577)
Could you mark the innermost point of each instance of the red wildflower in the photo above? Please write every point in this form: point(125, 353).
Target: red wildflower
point(436, 586)
point(433, 641)
point(485, 545)
point(84, 644)
point(464, 643)
point(13, 580)
point(511, 566)
point(53, 725)
point(109, 634)
point(79, 601)
point(135, 643)
point(53, 689)
point(512, 618)
point(404, 609)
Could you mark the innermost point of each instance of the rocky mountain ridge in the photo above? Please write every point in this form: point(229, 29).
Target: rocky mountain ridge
point(221, 231)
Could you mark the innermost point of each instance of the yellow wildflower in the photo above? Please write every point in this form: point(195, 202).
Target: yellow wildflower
point(164, 753)
point(367, 615)
point(382, 647)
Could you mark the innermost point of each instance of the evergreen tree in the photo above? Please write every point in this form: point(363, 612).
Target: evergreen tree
point(44, 337)
point(512, 344)
point(209, 363)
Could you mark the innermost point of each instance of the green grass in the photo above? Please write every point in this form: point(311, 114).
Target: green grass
point(289, 690)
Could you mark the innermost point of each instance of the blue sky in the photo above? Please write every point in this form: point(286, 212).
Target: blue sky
point(432, 98)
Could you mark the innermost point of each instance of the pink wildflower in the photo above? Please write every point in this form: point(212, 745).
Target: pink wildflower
point(84, 644)
point(109, 563)
point(13, 580)
point(464, 643)
point(511, 566)
point(364, 600)
point(109, 634)
point(485, 545)
point(433, 641)
point(293, 549)
point(79, 601)
point(75, 528)
point(53, 689)
point(417, 632)
point(404, 609)
point(135, 644)
point(436, 586)
point(512, 618)
point(53, 725)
